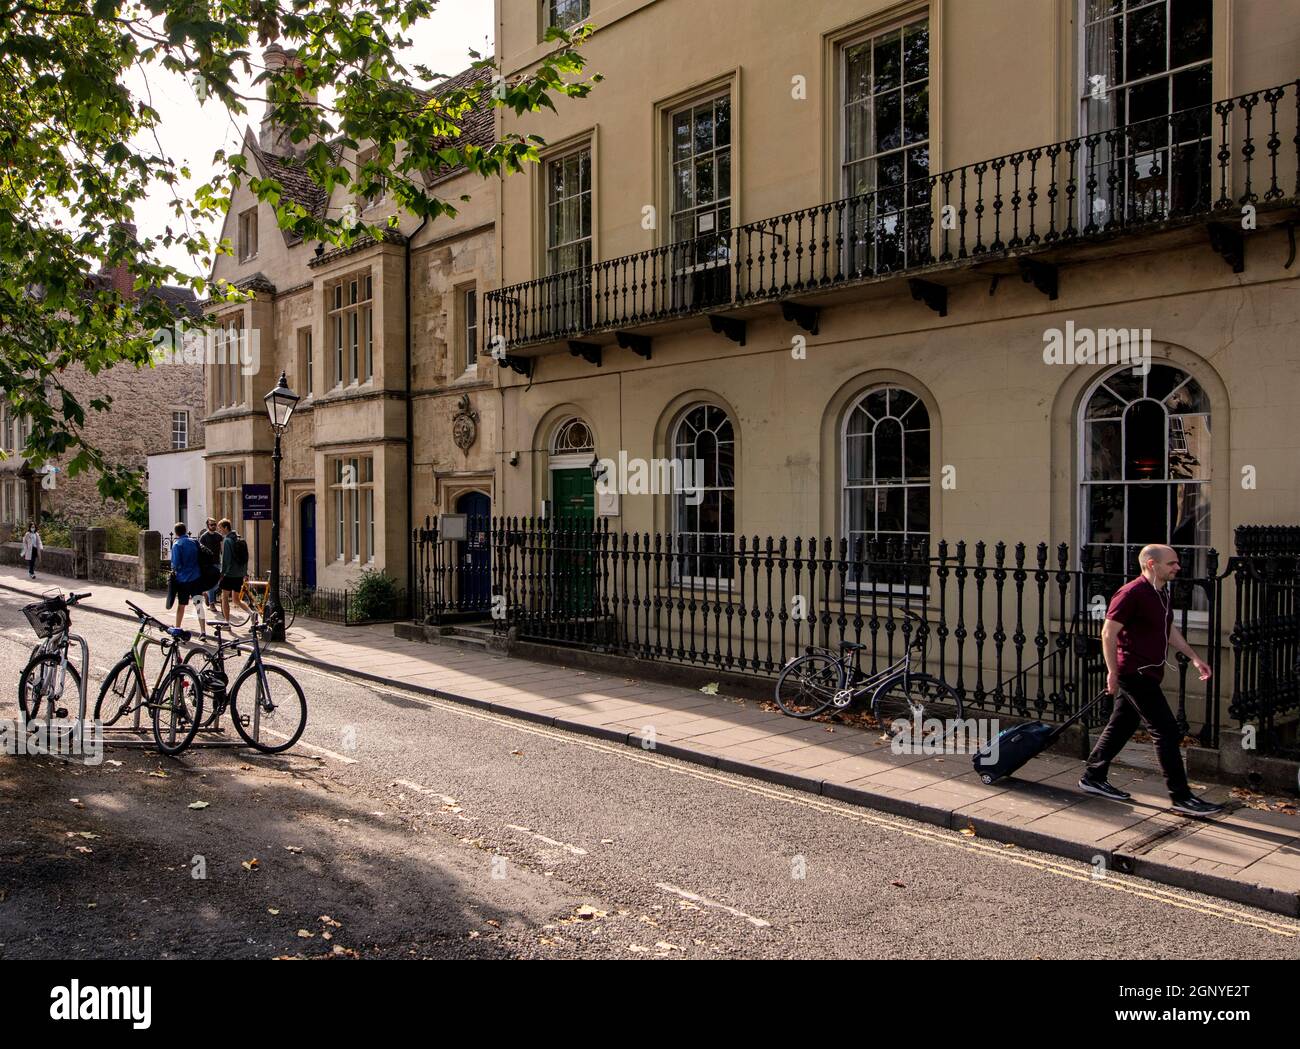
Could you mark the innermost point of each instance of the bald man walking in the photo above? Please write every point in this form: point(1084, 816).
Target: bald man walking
point(1135, 639)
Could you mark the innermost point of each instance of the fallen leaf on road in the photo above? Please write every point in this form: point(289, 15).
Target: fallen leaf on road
point(637, 948)
point(86, 834)
point(607, 841)
point(325, 919)
point(664, 945)
point(198, 804)
point(84, 848)
point(344, 952)
point(586, 912)
point(293, 848)
point(115, 764)
point(77, 802)
point(306, 934)
point(711, 689)
point(158, 774)
point(517, 753)
point(686, 905)
point(473, 934)
point(968, 831)
point(648, 920)
point(273, 910)
point(250, 865)
point(898, 885)
point(494, 923)
point(327, 935)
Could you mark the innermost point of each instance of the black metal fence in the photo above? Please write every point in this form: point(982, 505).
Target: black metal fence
point(1015, 629)
point(342, 606)
point(1193, 164)
point(1266, 632)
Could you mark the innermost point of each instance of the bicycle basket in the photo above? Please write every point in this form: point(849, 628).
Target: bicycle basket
point(48, 617)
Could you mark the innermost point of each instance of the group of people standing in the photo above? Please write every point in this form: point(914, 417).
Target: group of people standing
point(216, 562)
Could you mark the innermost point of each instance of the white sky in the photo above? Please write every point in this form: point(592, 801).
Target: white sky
point(191, 133)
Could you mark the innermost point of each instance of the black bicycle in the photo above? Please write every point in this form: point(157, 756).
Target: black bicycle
point(820, 680)
point(175, 702)
point(274, 703)
point(42, 682)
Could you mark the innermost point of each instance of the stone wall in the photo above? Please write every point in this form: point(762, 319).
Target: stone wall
point(86, 559)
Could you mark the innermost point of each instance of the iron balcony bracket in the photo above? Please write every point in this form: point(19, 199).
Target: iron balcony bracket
point(1230, 242)
point(1042, 275)
point(933, 295)
point(732, 328)
point(588, 351)
point(638, 344)
point(519, 365)
point(807, 317)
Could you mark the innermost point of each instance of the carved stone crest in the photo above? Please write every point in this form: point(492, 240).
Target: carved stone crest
point(464, 424)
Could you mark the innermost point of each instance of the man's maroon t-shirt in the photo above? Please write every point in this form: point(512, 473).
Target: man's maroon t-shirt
point(1146, 618)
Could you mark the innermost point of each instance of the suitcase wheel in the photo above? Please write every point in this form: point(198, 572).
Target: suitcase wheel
point(987, 778)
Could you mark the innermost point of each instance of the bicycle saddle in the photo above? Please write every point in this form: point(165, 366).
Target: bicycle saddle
point(179, 634)
point(851, 646)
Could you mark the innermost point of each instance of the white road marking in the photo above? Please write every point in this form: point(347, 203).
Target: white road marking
point(712, 903)
point(424, 790)
point(572, 849)
point(1113, 882)
point(312, 746)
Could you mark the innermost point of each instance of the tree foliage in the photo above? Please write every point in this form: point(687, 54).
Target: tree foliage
point(79, 149)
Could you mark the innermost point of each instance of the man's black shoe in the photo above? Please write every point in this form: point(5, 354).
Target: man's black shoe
point(1104, 789)
point(1194, 806)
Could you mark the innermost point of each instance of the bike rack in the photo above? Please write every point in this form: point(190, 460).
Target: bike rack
point(140, 736)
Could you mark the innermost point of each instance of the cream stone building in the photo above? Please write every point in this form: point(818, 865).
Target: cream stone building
point(380, 341)
point(824, 249)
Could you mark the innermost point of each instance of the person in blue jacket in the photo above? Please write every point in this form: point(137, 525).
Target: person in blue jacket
point(185, 565)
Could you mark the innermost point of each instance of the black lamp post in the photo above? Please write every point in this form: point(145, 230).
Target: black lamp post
point(280, 404)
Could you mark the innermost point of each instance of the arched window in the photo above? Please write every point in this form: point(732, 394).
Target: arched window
point(572, 438)
point(886, 457)
point(1145, 451)
point(704, 492)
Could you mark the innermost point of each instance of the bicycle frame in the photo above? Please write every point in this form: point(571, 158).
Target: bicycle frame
point(139, 646)
point(238, 644)
point(58, 644)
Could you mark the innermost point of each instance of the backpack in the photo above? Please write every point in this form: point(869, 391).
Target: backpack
point(240, 551)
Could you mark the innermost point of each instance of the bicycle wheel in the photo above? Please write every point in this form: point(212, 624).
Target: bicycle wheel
point(205, 665)
point(915, 696)
point(290, 613)
point(38, 686)
point(177, 708)
point(120, 693)
point(807, 685)
point(281, 711)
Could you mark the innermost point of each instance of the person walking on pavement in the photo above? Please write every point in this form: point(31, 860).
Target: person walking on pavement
point(1135, 640)
point(185, 566)
point(32, 547)
point(210, 560)
point(234, 566)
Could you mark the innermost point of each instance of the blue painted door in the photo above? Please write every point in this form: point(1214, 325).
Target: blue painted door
point(307, 547)
point(474, 556)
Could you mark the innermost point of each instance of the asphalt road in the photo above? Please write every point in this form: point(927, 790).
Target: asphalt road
point(427, 829)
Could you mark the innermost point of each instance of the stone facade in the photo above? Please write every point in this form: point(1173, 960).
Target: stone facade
point(139, 422)
point(344, 476)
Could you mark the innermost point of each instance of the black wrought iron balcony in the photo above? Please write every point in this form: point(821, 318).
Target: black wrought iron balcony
point(1185, 167)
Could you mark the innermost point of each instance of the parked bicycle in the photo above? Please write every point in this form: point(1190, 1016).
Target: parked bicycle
point(42, 682)
point(273, 704)
point(174, 702)
point(250, 603)
point(820, 680)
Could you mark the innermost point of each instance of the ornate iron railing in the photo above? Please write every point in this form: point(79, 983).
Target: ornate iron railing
point(1207, 161)
point(1016, 630)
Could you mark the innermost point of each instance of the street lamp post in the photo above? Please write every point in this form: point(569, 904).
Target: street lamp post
point(280, 404)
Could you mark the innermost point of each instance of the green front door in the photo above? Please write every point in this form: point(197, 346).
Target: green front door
point(574, 503)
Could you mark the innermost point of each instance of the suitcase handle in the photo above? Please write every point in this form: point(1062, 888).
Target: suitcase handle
point(1103, 694)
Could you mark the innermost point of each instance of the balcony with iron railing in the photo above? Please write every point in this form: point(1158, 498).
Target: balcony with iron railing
point(1187, 173)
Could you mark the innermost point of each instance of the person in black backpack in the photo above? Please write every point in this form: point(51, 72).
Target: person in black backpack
point(234, 565)
point(210, 560)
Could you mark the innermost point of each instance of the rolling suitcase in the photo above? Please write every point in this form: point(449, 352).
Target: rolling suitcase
point(1015, 746)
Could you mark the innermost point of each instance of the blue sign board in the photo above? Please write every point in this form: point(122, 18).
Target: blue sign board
point(256, 499)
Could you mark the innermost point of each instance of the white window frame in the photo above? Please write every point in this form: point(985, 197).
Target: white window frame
point(675, 506)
